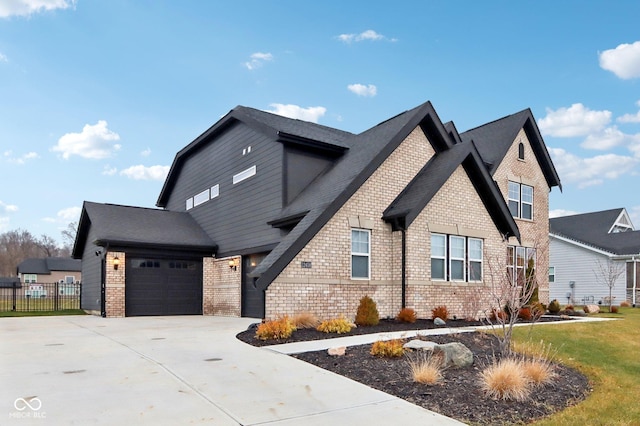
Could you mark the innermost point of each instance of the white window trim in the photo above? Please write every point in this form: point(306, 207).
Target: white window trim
point(466, 259)
point(189, 203)
point(367, 254)
point(30, 278)
point(480, 261)
point(244, 175)
point(552, 274)
point(519, 199)
point(201, 198)
point(215, 191)
point(458, 259)
point(444, 258)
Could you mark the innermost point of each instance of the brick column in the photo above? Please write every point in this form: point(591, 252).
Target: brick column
point(115, 280)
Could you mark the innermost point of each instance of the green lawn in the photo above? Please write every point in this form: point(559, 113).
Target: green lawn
point(608, 353)
point(42, 313)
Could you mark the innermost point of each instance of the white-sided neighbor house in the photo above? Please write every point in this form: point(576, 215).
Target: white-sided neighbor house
point(580, 244)
point(263, 215)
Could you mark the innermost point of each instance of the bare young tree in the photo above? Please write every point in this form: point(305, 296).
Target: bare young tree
point(69, 235)
point(607, 273)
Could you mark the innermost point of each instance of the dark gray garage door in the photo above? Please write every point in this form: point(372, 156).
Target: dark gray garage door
point(163, 287)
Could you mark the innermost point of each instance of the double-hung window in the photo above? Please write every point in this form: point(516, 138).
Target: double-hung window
point(521, 263)
point(520, 199)
point(360, 253)
point(456, 258)
point(30, 278)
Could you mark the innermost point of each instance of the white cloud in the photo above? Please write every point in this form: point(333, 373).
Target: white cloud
point(141, 172)
point(634, 214)
point(607, 139)
point(560, 213)
point(294, 111)
point(146, 152)
point(8, 208)
point(629, 118)
point(4, 224)
point(65, 216)
point(623, 61)
point(369, 35)
point(22, 159)
point(363, 90)
point(95, 141)
point(577, 120)
point(591, 171)
point(258, 59)
point(109, 171)
point(29, 7)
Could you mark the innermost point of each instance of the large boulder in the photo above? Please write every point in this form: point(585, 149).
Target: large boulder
point(592, 309)
point(420, 345)
point(454, 355)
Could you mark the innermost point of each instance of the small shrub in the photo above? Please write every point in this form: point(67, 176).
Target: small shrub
point(305, 320)
point(614, 310)
point(280, 328)
point(388, 348)
point(554, 306)
point(625, 304)
point(498, 315)
point(524, 313)
point(367, 313)
point(407, 315)
point(539, 371)
point(538, 310)
point(569, 308)
point(505, 379)
point(440, 312)
point(336, 325)
point(426, 368)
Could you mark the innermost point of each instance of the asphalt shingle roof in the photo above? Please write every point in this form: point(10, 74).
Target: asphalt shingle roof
point(45, 265)
point(592, 229)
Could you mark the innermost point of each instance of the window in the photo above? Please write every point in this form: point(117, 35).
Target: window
point(360, 253)
point(521, 263)
point(438, 256)
point(30, 278)
point(189, 203)
point(456, 258)
point(552, 274)
point(246, 174)
point(520, 200)
point(200, 198)
point(520, 151)
point(69, 279)
point(215, 191)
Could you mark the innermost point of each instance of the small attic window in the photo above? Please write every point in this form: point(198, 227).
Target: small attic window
point(520, 151)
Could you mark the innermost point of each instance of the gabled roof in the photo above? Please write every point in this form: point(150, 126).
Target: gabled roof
point(45, 265)
point(494, 140)
point(126, 226)
point(9, 282)
point(592, 229)
point(324, 197)
point(414, 198)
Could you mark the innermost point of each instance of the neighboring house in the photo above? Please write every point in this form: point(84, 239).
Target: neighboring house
point(10, 282)
point(581, 244)
point(263, 215)
point(50, 270)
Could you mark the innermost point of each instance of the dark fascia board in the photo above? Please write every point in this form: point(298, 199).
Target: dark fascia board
point(541, 152)
point(426, 117)
point(332, 150)
point(244, 252)
point(288, 221)
point(112, 244)
point(453, 132)
point(81, 235)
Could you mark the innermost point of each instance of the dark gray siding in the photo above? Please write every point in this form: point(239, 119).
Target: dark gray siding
point(91, 274)
point(237, 218)
point(302, 168)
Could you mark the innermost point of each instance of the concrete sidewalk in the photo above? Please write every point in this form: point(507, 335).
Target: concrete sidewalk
point(174, 370)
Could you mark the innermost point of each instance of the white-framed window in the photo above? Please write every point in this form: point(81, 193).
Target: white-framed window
point(69, 279)
point(215, 191)
point(360, 253)
point(520, 200)
point(552, 274)
point(456, 258)
point(189, 204)
point(438, 257)
point(30, 278)
point(245, 174)
point(521, 263)
point(201, 198)
point(475, 259)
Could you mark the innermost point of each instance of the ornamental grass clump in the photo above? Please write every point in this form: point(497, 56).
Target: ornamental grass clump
point(504, 379)
point(540, 372)
point(440, 312)
point(305, 320)
point(280, 328)
point(407, 315)
point(335, 325)
point(388, 348)
point(426, 368)
point(367, 313)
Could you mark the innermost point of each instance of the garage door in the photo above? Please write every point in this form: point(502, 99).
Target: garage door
point(163, 287)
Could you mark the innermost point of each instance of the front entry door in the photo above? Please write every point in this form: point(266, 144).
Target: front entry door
point(253, 298)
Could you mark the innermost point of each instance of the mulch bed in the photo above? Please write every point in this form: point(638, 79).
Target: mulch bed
point(459, 395)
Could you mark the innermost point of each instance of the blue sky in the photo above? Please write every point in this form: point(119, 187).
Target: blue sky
point(96, 97)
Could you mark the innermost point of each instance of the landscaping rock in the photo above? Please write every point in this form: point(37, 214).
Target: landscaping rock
point(339, 351)
point(592, 309)
point(420, 345)
point(454, 355)
point(439, 321)
point(579, 313)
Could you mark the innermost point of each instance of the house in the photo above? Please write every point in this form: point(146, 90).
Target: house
point(10, 282)
point(263, 215)
point(50, 270)
point(582, 245)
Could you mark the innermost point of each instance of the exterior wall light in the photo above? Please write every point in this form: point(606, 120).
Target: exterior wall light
point(116, 262)
point(233, 264)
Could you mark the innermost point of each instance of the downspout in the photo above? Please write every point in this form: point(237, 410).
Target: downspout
point(103, 286)
point(404, 267)
point(635, 281)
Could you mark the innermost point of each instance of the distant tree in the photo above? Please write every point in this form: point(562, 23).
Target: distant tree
point(18, 245)
point(607, 273)
point(69, 235)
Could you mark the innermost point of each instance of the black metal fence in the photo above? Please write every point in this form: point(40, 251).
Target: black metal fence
point(24, 297)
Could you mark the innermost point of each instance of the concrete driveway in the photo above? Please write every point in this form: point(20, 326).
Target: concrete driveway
point(173, 370)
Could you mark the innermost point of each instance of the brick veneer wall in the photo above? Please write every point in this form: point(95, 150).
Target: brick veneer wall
point(221, 287)
point(327, 289)
point(114, 285)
